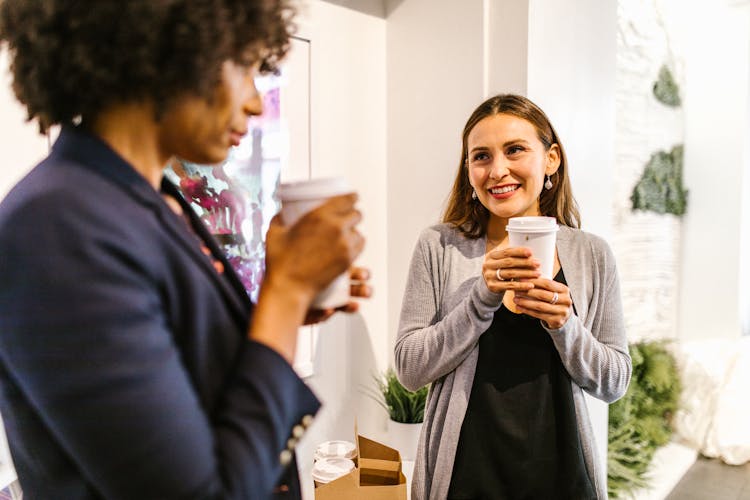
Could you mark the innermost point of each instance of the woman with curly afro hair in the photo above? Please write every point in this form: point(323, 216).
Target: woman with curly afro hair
point(132, 364)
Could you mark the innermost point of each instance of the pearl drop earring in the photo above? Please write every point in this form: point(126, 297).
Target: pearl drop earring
point(548, 183)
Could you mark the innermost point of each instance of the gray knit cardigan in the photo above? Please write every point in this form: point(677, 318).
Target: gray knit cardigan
point(446, 308)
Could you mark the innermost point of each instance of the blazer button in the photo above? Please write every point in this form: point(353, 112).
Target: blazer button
point(285, 457)
point(298, 431)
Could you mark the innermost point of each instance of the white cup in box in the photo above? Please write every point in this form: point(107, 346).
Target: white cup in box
point(298, 198)
point(335, 449)
point(326, 470)
point(537, 233)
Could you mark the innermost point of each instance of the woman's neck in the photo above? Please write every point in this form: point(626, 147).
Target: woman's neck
point(132, 132)
point(496, 233)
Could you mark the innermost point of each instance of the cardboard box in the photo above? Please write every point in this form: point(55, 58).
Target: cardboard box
point(378, 476)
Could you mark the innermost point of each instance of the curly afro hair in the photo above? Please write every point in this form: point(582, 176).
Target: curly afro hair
point(71, 58)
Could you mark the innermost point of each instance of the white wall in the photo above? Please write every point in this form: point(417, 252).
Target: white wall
point(716, 148)
point(744, 274)
point(506, 47)
point(21, 144)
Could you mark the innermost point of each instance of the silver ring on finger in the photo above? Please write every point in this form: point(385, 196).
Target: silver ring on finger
point(497, 273)
point(555, 298)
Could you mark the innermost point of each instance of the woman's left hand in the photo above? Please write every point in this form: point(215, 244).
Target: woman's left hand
point(360, 288)
point(548, 301)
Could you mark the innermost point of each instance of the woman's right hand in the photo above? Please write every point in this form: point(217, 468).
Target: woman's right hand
point(510, 269)
point(320, 246)
point(301, 260)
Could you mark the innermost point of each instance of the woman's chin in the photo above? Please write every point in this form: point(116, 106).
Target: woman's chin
point(508, 212)
point(211, 156)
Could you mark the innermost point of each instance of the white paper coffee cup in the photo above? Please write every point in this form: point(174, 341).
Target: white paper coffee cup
point(537, 233)
point(298, 198)
point(335, 449)
point(326, 470)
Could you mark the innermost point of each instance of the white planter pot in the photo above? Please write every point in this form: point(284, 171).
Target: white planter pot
point(404, 438)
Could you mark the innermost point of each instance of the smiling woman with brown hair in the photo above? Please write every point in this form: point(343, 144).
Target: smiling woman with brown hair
point(132, 363)
point(509, 353)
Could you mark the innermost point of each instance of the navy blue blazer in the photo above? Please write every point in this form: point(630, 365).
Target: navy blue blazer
point(125, 367)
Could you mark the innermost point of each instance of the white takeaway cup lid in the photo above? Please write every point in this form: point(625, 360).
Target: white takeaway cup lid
point(532, 224)
point(314, 189)
point(336, 449)
point(326, 470)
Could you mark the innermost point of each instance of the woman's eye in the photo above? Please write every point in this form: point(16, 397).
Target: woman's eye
point(514, 150)
point(480, 158)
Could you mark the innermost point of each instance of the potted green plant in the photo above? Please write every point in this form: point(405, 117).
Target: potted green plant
point(405, 410)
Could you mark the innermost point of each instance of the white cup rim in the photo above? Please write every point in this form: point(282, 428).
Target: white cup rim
point(532, 224)
point(312, 189)
point(335, 448)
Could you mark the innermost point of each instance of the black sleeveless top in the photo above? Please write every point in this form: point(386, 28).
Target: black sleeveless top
point(519, 439)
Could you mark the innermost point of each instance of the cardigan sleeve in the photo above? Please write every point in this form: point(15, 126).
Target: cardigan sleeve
point(597, 358)
point(430, 346)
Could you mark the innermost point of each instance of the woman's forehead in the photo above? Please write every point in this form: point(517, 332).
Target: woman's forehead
point(502, 127)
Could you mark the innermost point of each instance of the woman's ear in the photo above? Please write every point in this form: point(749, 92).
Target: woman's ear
point(553, 159)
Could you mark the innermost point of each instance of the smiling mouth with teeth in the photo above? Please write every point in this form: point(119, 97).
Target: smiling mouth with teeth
point(505, 189)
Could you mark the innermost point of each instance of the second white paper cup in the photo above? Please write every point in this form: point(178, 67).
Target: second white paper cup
point(326, 470)
point(298, 198)
point(537, 233)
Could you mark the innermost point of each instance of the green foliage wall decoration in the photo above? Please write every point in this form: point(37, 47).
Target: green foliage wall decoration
point(639, 422)
point(666, 89)
point(660, 187)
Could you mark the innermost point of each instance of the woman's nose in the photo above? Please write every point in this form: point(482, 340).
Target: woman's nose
point(499, 167)
point(252, 105)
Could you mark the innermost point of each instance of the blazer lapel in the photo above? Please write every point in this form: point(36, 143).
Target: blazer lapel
point(231, 286)
point(95, 155)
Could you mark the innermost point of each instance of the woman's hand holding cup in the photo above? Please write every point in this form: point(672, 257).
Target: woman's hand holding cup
point(359, 288)
point(548, 301)
point(510, 269)
point(303, 258)
point(318, 247)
